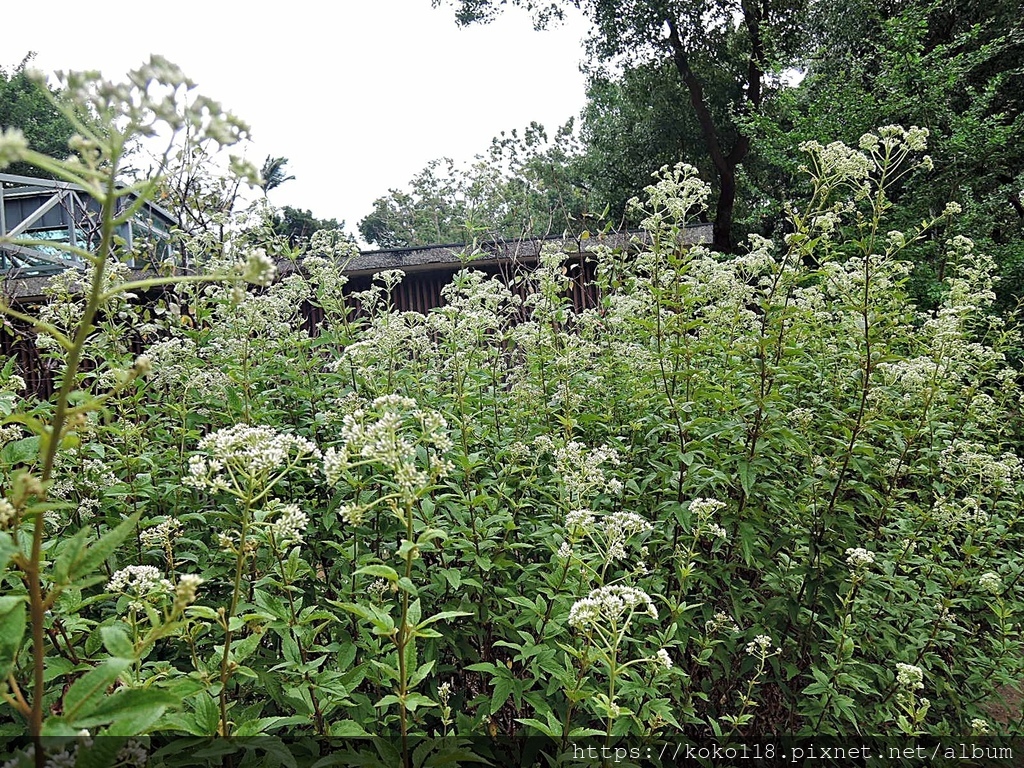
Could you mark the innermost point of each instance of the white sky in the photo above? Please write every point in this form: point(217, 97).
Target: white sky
point(358, 94)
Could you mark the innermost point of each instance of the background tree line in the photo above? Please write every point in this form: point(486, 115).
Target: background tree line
point(733, 87)
point(729, 86)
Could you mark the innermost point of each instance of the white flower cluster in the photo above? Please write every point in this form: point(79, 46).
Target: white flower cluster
point(913, 376)
point(142, 582)
point(138, 579)
point(162, 535)
point(974, 462)
point(269, 316)
point(610, 605)
point(664, 659)
point(761, 646)
point(242, 451)
point(980, 727)
point(583, 470)
point(389, 278)
point(703, 510)
point(8, 514)
point(721, 620)
point(290, 525)
point(388, 433)
point(838, 163)
point(958, 513)
point(580, 521)
point(617, 529)
point(991, 583)
point(258, 268)
point(185, 591)
point(333, 248)
point(972, 276)
point(859, 558)
point(157, 92)
point(677, 194)
point(909, 677)
point(610, 532)
point(13, 383)
point(326, 273)
point(391, 339)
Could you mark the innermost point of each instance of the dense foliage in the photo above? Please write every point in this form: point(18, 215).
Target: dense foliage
point(727, 55)
point(24, 106)
point(741, 497)
point(527, 185)
point(829, 71)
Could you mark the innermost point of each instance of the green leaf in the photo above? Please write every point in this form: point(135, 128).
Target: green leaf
point(7, 549)
point(87, 692)
point(59, 727)
point(101, 753)
point(379, 572)
point(207, 715)
point(414, 700)
point(263, 725)
point(502, 690)
point(415, 612)
point(20, 451)
point(421, 673)
point(544, 728)
point(348, 729)
point(12, 630)
point(82, 563)
point(116, 641)
point(130, 711)
point(243, 649)
point(442, 616)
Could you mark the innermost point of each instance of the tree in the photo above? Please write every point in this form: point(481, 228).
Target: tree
point(298, 225)
point(24, 105)
point(953, 68)
point(272, 175)
point(633, 124)
point(749, 42)
point(527, 185)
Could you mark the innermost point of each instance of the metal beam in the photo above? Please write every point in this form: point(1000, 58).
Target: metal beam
point(39, 212)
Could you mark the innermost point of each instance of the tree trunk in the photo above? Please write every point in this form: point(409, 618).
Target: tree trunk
point(722, 237)
point(725, 164)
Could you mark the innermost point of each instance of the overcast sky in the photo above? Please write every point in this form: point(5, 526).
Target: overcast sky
point(358, 94)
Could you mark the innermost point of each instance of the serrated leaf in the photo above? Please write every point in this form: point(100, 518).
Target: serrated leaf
point(20, 451)
point(421, 673)
point(207, 715)
point(130, 712)
point(415, 700)
point(87, 692)
point(544, 728)
point(101, 753)
point(95, 555)
point(58, 726)
point(348, 729)
point(12, 631)
point(116, 641)
point(502, 690)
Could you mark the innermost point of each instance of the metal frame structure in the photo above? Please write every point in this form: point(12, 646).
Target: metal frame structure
point(44, 209)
